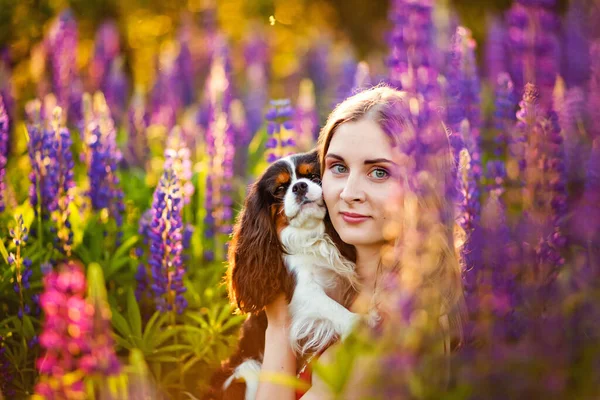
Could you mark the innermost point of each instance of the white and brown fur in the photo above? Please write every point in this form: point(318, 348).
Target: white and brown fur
point(283, 242)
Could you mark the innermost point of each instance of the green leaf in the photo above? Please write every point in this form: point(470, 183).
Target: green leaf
point(120, 324)
point(155, 321)
point(162, 358)
point(133, 313)
point(28, 327)
point(3, 251)
point(124, 248)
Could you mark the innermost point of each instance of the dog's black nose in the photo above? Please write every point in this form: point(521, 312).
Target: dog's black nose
point(300, 188)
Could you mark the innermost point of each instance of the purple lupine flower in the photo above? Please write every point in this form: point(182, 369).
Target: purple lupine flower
point(66, 331)
point(116, 90)
point(545, 199)
point(256, 54)
point(107, 46)
point(164, 99)
point(279, 125)
point(62, 48)
point(166, 244)
point(534, 46)
point(22, 265)
point(586, 223)
point(464, 89)
point(505, 112)
point(306, 118)
point(594, 90)
point(410, 43)
point(575, 67)
point(4, 147)
point(177, 157)
point(185, 70)
point(6, 82)
point(495, 49)
point(137, 149)
point(220, 145)
point(347, 75)
point(52, 177)
point(571, 111)
point(105, 190)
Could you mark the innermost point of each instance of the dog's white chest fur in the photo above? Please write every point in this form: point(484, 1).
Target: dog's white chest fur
point(318, 265)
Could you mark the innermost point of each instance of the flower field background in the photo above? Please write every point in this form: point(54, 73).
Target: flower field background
point(129, 133)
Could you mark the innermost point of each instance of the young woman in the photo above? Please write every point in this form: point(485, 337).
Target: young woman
point(360, 146)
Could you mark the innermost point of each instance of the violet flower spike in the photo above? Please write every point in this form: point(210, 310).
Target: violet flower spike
point(4, 147)
point(166, 245)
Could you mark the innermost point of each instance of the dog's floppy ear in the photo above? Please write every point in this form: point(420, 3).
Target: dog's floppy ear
point(256, 273)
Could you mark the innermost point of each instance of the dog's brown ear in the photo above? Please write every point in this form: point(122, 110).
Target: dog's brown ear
point(256, 273)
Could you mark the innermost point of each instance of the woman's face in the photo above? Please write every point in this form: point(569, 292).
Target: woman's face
point(359, 179)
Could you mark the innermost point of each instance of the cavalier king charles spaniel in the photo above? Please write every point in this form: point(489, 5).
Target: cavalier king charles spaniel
point(280, 244)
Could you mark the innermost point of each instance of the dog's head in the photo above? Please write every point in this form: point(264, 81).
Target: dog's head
point(287, 194)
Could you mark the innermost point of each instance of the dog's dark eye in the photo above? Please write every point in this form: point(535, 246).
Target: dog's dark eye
point(280, 189)
point(314, 177)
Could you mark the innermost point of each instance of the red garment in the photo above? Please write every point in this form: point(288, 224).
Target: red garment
point(306, 375)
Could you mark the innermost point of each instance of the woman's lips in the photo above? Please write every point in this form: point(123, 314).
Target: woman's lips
point(353, 218)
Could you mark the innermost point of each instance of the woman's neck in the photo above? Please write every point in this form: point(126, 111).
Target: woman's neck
point(367, 263)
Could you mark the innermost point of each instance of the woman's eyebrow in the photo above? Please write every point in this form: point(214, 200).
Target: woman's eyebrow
point(367, 162)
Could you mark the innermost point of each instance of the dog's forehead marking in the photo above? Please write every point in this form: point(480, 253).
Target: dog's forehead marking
point(292, 166)
point(305, 169)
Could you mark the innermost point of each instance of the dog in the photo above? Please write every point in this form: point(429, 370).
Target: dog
point(280, 244)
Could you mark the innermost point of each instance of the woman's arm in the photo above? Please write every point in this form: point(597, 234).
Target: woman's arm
point(279, 360)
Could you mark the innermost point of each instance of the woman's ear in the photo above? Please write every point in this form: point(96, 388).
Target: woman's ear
point(256, 273)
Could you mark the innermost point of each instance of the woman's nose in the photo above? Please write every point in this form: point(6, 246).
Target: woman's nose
point(352, 191)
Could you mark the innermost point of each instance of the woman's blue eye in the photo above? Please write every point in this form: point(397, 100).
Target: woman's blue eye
point(338, 168)
point(380, 173)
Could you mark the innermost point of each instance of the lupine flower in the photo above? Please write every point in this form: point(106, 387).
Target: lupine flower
point(177, 157)
point(280, 129)
point(4, 146)
point(570, 105)
point(52, 174)
point(256, 56)
point(66, 333)
point(6, 82)
point(504, 112)
point(6, 376)
point(411, 46)
point(62, 47)
point(575, 68)
point(306, 118)
point(347, 75)
point(76, 335)
point(105, 191)
point(117, 90)
point(495, 49)
point(164, 100)
point(220, 146)
point(22, 265)
point(585, 223)
point(107, 47)
point(137, 149)
point(185, 71)
point(166, 244)
point(544, 194)
point(534, 46)
point(594, 90)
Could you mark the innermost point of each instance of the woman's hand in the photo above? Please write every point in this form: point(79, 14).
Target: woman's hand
point(277, 312)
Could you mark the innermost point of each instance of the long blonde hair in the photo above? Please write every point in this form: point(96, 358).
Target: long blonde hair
point(426, 149)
